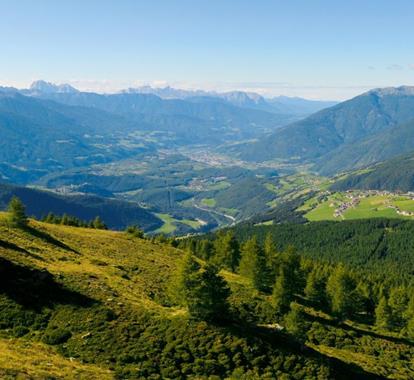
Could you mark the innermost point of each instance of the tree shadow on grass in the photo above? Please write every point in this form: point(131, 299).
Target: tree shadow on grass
point(347, 327)
point(35, 289)
point(11, 246)
point(281, 341)
point(48, 238)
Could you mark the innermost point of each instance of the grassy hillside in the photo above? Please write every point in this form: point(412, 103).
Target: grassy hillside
point(95, 303)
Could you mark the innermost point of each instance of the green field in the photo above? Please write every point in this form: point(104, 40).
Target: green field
point(372, 206)
point(209, 202)
point(170, 224)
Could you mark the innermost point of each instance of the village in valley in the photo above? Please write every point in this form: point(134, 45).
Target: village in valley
point(354, 204)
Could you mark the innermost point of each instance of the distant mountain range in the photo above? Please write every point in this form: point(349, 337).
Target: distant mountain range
point(369, 128)
point(279, 104)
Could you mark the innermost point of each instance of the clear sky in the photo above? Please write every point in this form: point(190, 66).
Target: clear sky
point(326, 49)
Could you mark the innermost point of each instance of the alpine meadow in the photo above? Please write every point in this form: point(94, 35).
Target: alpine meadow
point(206, 190)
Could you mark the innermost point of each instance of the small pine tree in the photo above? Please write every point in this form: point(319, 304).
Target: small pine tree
point(271, 255)
point(183, 282)
point(203, 291)
point(340, 289)
point(409, 316)
point(383, 314)
point(295, 322)
point(205, 249)
point(17, 213)
point(207, 299)
point(398, 301)
point(65, 220)
point(282, 294)
point(99, 224)
point(315, 288)
point(135, 231)
point(253, 264)
point(227, 251)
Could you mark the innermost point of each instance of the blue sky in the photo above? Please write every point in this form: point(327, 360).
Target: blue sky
point(312, 48)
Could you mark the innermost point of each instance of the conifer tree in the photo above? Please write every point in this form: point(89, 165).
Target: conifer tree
point(207, 298)
point(398, 301)
point(99, 224)
point(282, 294)
point(253, 264)
point(206, 249)
point(271, 255)
point(295, 322)
point(409, 316)
point(184, 279)
point(65, 220)
point(315, 288)
point(340, 291)
point(383, 314)
point(17, 213)
point(202, 290)
point(227, 251)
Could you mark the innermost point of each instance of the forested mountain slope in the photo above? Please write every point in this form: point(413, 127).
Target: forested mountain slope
point(360, 154)
point(393, 175)
point(346, 123)
point(117, 214)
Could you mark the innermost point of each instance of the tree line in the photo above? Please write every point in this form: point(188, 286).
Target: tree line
point(289, 279)
point(17, 217)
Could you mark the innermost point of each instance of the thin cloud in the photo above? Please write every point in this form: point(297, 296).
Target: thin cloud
point(395, 67)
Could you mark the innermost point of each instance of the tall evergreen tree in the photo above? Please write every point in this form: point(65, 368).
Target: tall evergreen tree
point(383, 314)
point(205, 249)
point(409, 316)
point(271, 255)
point(184, 280)
point(295, 322)
point(253, 264)
point(315, 288)
point(340, 289)
point(17, 213)
point(282, 294)
point(398, 301)
point(227, 251)
point(207, 298)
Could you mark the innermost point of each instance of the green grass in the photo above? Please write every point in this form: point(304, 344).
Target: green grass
point(222, 185)
point(169, 224)
point(209, 202)
point(271, 187)
point(374, 206)
point(192, 223)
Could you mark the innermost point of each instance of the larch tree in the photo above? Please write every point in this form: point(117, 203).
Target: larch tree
point(17, 213)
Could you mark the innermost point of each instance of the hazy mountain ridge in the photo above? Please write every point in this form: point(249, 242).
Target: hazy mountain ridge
point(318, 136)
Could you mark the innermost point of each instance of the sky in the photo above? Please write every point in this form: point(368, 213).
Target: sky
point(318, 49)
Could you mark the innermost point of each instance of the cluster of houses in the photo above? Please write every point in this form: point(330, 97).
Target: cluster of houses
point(401, 212)
point(354, 201)
point(355, 197)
